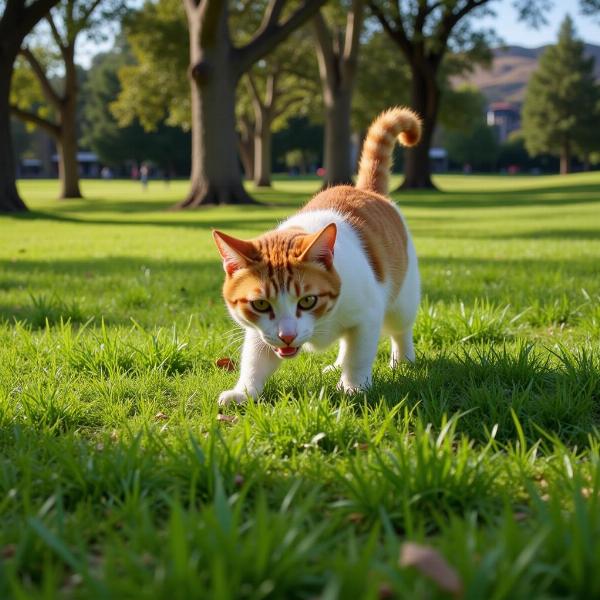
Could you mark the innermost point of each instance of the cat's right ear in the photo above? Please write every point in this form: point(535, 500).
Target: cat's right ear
point(236, 254)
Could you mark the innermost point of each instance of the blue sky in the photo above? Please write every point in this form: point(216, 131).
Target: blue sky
point(512, 32)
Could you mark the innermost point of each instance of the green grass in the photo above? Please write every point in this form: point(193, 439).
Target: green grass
point(117, 480)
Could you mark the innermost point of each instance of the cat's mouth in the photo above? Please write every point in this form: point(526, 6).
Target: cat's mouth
point(287, 352)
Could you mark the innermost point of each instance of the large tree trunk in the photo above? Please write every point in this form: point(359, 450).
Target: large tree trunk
point(338, 137)
point(565, 158)
point(216, 176)
point(425, 100)
point(10, 201)
point(262, 149)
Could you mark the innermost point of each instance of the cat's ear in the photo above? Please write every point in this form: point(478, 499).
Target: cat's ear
point(319, 246)
point(236, 254)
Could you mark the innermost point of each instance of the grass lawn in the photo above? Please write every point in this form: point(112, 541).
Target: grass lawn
point(118, 479)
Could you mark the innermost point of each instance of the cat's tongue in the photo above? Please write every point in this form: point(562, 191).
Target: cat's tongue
point(287, 352)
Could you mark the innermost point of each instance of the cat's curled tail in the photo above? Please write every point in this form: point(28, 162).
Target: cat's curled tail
point(376, 158)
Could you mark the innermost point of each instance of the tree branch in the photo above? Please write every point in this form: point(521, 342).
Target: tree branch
point(29, 117)
point(56, 34)
point(272, 33)
point(446, 25)
point(326, 55)
point(396, 30)
point(49, 93)
point(287, 104)
point(354, 23)
point(27, 17)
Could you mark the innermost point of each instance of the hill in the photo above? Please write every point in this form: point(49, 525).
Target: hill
point(512, 66)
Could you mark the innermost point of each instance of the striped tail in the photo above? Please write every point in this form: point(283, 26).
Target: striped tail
point(376, 158)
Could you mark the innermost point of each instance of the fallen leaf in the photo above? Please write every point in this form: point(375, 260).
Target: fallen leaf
point(226, 364)
point(430, 563)
point(226, 418)
point(238, 480)
point(361, 446)
point(8, 551)
point(521, 516)
point(385, 591)
point(160, 416)
point(356, 517)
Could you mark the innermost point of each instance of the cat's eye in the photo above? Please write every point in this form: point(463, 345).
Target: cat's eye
point(307, 302)
point(260, 305)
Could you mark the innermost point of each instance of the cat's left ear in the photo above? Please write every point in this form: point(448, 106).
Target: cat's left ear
point(319, 246)
point(236, 253)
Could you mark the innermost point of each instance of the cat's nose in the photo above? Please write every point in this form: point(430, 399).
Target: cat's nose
point(287, 338)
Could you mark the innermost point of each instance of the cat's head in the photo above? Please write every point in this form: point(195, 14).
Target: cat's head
point(281, 283)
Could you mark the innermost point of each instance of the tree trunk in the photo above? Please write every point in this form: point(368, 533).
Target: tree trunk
point(246, 148)
point(338, 137)
point(425, 99)
point(565, 158)
point(262, 149)
point(10, 201)
point(68, 167)
point(216, 176)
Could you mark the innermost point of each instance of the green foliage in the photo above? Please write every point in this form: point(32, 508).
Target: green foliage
point(382, 80)
point(117, 480)
point(562, 101)
point(154, 85)
point(115, 144)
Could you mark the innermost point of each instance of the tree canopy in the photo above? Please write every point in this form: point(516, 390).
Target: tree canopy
point(561, 108)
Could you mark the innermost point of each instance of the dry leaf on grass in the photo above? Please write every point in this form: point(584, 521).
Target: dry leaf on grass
point(160, 416)
point(430, 563)
point(225, 363)
point(226, 418)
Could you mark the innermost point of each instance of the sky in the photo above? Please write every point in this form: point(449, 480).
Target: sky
point(515, 33)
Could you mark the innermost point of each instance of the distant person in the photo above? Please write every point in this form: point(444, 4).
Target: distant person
point(134, 172)
point(106, 173)
point(144, 172)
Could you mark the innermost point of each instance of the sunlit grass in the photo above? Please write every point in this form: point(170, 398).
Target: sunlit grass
point(117, 479)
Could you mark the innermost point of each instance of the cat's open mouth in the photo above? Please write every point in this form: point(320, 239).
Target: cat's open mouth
point(287, 352)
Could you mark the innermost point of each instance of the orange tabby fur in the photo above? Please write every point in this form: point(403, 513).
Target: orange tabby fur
point(291, 263)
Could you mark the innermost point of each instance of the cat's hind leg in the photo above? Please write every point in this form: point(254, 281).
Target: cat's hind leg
point(257, 364)
point(402, 348)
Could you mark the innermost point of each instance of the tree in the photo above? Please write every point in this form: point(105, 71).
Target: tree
point(216, 66)
point(67, 22)
point(220, 52)
point(561, 101)
point(278, 87)
point(19, 17)
point(337, 53)
point(425, 31)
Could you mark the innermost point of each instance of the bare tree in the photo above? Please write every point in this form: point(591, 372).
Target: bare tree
point(18, 18)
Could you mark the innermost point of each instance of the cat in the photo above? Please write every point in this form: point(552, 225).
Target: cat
point(343, 268)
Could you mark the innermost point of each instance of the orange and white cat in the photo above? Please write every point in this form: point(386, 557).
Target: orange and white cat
point(343, 268)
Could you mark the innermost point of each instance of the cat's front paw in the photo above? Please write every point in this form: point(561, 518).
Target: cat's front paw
point(229, 396)
point(352, 387)
point(331, 369)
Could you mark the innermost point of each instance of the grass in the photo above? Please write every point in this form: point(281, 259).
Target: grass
point(117, 479)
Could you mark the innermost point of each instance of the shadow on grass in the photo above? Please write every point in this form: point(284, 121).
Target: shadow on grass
point(194, 282)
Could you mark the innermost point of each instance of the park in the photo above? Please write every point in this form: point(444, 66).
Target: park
point(473, 472)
